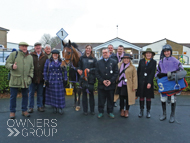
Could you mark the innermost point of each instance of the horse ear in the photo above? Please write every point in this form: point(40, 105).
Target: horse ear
point(69, 43)
point(63, 43)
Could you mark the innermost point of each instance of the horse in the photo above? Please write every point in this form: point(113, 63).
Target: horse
point(71, 55)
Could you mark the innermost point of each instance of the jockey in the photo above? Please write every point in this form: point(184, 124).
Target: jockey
point(167, 63)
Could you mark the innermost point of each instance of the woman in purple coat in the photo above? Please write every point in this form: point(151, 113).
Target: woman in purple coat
point(167, 63)
point(55, 93)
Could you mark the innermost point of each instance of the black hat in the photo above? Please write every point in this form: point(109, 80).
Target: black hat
point(127, 56)
point(37, 43)
point(55, 52)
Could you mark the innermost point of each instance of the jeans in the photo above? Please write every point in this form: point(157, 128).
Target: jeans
point(14, 92)
point(32, 90)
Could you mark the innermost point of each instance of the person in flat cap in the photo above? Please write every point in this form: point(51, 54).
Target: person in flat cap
point(127, 84)
point(55, 92)
point(146, 70)
point(21, 67)
point(39, 59)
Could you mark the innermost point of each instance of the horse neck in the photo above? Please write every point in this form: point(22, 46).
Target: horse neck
point(76, 57)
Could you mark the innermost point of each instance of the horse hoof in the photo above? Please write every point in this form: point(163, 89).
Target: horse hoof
point(77, 108)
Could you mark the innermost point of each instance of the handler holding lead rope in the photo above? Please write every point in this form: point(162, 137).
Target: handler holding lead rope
point(167, 63)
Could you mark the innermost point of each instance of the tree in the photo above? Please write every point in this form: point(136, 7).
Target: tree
point(46, 39)
point(52, 41)
point(55, 41)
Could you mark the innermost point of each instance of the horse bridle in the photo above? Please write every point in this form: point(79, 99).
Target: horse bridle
point(69, 58)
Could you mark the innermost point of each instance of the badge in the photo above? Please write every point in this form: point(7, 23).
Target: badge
point(145, 74)
point(125, 80)
point(90, 61)
point(111, 71)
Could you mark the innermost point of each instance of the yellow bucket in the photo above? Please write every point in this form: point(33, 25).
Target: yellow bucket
point(69, 91)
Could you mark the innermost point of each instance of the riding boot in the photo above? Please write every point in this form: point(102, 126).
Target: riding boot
point(148, 104)
point(163, 117)
point(141, 108)
point(172, 116)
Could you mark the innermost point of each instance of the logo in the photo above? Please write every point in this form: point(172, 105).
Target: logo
point(35, 128)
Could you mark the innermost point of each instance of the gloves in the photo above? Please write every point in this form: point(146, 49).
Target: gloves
point(47, 83)
point(160, 75)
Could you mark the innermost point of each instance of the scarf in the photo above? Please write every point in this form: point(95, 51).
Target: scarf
point(122, 77)
point(147, 61)
point(119, 57)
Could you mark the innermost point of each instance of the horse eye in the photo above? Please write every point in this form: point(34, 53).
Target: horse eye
point(69, 52)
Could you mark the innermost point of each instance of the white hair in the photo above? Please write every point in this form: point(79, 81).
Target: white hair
point(47, 45)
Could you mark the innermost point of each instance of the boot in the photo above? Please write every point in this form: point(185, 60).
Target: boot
point(126, 113)
point(172, 116)
point(148, 104)
point(163, 117)
point(142, 109)
point(122, 113)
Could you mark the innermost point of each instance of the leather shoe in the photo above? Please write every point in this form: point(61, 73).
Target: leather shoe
point(122, 113)
point(30, 110)
point(26, 114)
point(12, 115)
point(40, 109)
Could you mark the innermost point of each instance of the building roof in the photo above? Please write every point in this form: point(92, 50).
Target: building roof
point(116, 42)
point(81, 46)
point(3, 29)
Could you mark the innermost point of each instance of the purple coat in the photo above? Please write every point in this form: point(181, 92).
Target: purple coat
point(55, 93)
point(168, 65)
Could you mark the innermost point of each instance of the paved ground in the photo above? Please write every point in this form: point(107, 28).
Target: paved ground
point(74, 127)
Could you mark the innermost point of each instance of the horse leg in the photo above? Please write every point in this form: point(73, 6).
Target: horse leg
point(79, 94)
point(77, 98)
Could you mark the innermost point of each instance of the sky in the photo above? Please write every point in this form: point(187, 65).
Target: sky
point(139, 21)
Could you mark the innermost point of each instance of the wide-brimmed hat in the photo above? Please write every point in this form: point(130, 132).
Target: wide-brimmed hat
point(55, 52)
point(148, 50)
point(127, 56)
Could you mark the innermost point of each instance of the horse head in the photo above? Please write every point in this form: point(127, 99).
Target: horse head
point(70, 54)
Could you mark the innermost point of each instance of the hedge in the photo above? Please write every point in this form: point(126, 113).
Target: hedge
point(4, 83)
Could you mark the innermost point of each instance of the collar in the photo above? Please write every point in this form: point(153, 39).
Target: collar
point(106, 59)
point(120, 55)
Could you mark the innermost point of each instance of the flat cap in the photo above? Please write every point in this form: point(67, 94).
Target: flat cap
point(37, 43)
point(23, 44)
